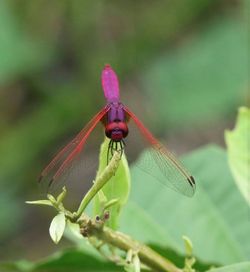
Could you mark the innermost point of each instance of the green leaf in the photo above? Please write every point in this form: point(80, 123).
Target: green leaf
point(57, 227)
point(68, 260)
point(117, 189)
point(40, 202)
point(239, 267)
point(216, 219)
point(237, 142)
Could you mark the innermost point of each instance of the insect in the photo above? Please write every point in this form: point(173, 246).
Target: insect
point(115, 117)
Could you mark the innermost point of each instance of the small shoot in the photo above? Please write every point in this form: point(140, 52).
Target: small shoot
point(190, 259)
point(132, 263)
point(61, 196)
point(58, 223)
point(51, 200)
point(42, 202)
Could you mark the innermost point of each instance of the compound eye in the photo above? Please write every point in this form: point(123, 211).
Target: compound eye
point(125, 133)
point(108, 133)
point(124, 128)
point(108, 130)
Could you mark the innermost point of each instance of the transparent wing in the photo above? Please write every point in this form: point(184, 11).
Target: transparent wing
point(172, 173)
point(63, 161)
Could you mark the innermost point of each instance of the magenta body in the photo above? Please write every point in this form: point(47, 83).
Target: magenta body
point(116, 128)
point(110, 85)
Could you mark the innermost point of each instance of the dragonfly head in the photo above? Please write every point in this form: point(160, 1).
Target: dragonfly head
point(116, 131)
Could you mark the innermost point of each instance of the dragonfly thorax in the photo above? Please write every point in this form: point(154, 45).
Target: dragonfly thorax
point(116, 128)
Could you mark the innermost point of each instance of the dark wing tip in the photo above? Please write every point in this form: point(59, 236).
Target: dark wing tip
point(51, 182)
point(191, 181)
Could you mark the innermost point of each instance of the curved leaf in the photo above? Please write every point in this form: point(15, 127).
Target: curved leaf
point(57, 227)
point(238, 152)
point(216, 219)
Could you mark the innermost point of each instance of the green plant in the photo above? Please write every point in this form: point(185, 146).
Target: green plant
point(213, 219)
point(106, 212)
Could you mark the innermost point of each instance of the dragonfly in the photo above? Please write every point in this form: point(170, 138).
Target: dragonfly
point(115, 117)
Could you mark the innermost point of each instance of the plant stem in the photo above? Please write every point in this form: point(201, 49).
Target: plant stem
point(124, 242)
point(94, 229)
point(108, 172)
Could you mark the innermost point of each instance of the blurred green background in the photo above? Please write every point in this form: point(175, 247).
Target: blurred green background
point(182, 67)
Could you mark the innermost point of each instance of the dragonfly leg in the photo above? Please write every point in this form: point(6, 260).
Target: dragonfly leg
point(115, 146)
point(123, 143)
point(121, 148)
point(108, 152)
point(112, 148)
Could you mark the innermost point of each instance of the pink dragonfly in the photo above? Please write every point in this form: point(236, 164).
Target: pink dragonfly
point(115, 117)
